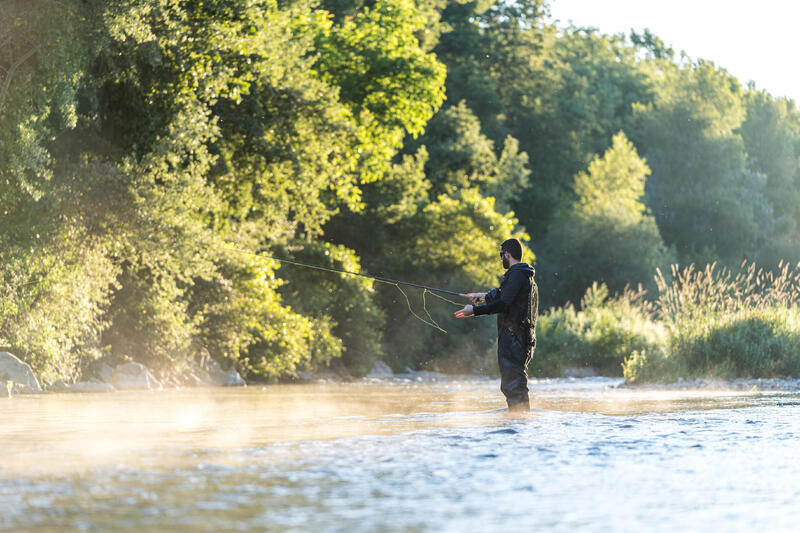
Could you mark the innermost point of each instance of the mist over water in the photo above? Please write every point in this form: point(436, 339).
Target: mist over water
point(401, 455)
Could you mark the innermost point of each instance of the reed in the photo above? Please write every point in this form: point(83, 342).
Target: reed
point(724, 324)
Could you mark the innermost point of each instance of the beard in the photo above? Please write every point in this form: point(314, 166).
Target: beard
point(505, 263)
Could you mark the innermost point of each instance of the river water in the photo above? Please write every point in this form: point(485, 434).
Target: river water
point(405, 454)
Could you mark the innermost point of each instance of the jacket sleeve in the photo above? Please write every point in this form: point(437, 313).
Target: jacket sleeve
point(492, 295)
point(512, 286)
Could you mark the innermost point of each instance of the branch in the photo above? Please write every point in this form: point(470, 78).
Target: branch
point(10, 73)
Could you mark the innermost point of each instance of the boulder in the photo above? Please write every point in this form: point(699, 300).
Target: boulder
point(102, 371)
point(18, 372)
point(194, 376)
point(58, 385)
point(303, 377)
point(579, 372)
point(380, 370)
point(229, 378)
point(90, 386)
point(132, 375)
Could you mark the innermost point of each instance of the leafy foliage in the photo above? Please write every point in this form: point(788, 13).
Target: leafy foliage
point(152, 151)
point(607, 235)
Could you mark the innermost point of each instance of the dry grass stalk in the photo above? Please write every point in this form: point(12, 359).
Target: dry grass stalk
point(690, 292)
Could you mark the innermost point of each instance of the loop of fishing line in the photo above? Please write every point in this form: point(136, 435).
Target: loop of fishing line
point(445, 299)
point(432, 323)
point(425, 289)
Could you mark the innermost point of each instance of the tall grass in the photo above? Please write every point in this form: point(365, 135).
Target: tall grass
point(724, 324)
point(703, 322)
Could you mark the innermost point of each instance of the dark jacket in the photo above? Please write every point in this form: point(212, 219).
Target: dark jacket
point(515, 301)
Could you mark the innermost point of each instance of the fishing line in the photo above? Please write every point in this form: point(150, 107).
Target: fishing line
point(377, 278)
point(425, 289)
point(446, 299)
point(432, 323)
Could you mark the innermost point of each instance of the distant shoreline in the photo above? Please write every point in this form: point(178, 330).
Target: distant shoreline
point(788, 384)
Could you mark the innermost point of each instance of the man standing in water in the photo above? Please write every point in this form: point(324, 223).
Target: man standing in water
point(516, 303)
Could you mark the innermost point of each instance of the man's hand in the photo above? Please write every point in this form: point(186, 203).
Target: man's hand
point(464, 313)
point(475, 297)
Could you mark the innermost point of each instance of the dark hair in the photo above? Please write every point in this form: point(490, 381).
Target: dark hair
point(514, 247)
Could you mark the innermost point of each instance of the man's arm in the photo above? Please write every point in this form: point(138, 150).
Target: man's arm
point(492, 295)
point(500, 305)
point(475, 298)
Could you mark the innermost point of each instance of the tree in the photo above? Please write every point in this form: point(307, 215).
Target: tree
point(608, 235)
point(705, 201)
point(460, 156)
point(199, 133)
point(771, 135)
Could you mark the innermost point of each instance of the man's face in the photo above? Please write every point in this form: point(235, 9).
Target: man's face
point(504, 257)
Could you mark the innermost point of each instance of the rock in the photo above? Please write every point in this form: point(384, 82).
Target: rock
point(579, 372)
point(91, 386)
point(230, 378)
point(14, 370)
point(333, 372)
point(194, 376)
point(103, 371)
point(58, 385)
point(380, 370)
point(133, 375)
point(304, 377)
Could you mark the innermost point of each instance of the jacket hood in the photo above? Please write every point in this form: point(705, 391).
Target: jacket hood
point(524, 267)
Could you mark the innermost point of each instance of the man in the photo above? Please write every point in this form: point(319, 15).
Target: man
point(516, 303)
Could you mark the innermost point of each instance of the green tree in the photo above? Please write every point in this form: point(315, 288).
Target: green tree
point(460, 156)
point(771, 135)
point(703, 197)
point(390, 84)
point(198, 133)
point(608, 235)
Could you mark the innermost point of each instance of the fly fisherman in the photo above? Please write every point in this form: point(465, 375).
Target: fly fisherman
point(516, 303)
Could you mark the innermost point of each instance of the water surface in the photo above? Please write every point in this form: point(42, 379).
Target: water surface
point(401, 455)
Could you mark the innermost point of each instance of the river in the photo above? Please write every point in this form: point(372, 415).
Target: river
point(405, 454)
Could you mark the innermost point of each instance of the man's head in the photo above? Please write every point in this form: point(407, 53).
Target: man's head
point(511, 252)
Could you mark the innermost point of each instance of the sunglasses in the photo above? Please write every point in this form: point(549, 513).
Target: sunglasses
point(501, 255)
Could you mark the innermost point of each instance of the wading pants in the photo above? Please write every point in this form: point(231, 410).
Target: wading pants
point(512, 358)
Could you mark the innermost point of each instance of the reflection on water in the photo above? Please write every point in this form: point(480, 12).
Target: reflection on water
point(401, 455)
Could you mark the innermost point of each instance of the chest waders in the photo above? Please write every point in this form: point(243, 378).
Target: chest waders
point(515, 342)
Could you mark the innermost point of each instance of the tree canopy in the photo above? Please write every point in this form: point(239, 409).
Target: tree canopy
point(155, 155)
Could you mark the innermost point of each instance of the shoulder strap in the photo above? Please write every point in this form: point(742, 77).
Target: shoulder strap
point(529, 325)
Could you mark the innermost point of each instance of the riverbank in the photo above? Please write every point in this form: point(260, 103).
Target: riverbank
point(788, 384)
point(16, 377)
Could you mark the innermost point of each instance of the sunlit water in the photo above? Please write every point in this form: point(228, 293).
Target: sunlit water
point(401, 455)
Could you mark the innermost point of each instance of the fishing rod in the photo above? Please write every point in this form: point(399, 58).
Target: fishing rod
point(377, 278)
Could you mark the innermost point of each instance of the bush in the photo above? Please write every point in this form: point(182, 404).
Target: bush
point(51, 305)
point(346, 301)
point(747, 343)
point(601, 335)
point(725, 325)
point(658, 367)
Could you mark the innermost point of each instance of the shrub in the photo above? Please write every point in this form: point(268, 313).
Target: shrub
point(602, 334)
point(725, 324)
point(751, 342)
point(658, 367)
